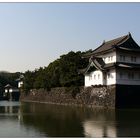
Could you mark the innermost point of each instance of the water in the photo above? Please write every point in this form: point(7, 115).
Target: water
point(43, 120)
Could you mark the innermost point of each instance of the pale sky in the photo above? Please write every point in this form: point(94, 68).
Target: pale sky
point(34, 34)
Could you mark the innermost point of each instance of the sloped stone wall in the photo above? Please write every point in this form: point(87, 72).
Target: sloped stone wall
point(102, 96)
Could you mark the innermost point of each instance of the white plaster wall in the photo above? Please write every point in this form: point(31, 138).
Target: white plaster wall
point(93, 78)
point(128, 57)
point(13, 90)
point(20, 84)
point(125, 80)
point(112, 78)
point(6, 90)
point(109, 57)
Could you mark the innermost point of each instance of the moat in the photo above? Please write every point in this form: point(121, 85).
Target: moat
point(44, 120)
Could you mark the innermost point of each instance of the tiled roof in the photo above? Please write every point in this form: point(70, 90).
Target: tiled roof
point(125, 42)
point(110, 44)
point(98, 62)
point(128, 65)
point(8, 86)
point(100, 65)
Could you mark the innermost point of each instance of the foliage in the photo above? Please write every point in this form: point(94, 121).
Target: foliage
point(62, 72)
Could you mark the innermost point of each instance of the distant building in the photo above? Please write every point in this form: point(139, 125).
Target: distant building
point(20, 81)
point(114, 62)
point(11, 93)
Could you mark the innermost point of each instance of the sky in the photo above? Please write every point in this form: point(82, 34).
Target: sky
point(34, 34)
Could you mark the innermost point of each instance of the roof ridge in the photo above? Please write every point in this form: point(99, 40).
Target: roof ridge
point(117, 39)
point(123, 39)
point(109, 42)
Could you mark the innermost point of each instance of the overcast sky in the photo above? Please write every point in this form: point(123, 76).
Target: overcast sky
point(34, 34)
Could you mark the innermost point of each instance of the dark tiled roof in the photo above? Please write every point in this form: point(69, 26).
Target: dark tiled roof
point(128, 65)
point(8, 86)
point(98, 62)
point(110, 44)
point(125, 42)
point(122, 65)
point(100, 65)
point(109, 65)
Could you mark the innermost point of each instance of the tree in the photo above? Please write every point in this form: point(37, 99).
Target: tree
point(61, 72)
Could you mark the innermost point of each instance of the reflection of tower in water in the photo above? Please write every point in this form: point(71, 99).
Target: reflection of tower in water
point(12, 110)
point(101, 124)
point(8, 109)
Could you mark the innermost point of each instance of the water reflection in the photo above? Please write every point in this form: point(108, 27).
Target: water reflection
point(65, 121)
point(54, 121)
point(43, 120)
point(128, 123)
point(11, 123)
point(100, 124)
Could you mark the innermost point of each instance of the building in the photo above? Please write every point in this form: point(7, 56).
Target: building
point(11, 93)
point(114, 62)
point(20, 81)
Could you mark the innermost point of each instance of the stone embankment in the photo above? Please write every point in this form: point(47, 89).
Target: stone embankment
point(101, 96)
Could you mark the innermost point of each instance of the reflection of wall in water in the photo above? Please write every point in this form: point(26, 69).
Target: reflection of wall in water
point(53, 120)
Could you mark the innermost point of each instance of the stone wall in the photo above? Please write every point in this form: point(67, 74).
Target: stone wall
point(101, 96)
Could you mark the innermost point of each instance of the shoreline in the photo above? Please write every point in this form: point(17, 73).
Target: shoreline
point(101, 97)
point(70, 105)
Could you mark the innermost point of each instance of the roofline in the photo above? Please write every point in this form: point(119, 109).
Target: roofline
point(104, 52)
point(126, 37)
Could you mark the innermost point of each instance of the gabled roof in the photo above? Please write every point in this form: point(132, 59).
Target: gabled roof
point(110, 44)
point(8, 86)
point(125, 42)
point(99, 64)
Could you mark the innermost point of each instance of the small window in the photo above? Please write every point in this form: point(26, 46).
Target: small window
point(111, 58)
point(121, 75)
point(131, 75)
point(95, 77)
point(108, 75)
point(133, 59)
point(90, 77)
point(122, 58)
point(98, 76)
point(139, 75)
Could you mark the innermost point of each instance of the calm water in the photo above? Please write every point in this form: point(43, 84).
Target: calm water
point(42, 120)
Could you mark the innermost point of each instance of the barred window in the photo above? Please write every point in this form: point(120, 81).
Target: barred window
point(133, 59)
point(98, 76)
point(131, 75)
point(122, 58)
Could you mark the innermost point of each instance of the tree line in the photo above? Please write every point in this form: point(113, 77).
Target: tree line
point(62, 72)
